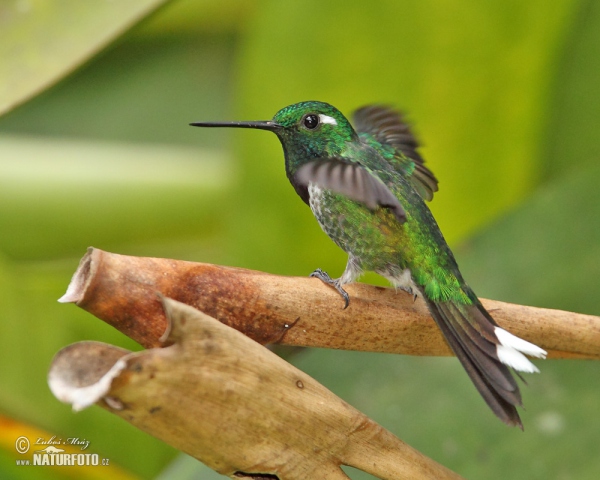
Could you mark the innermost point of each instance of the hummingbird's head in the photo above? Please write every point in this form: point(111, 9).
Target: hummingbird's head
point(312, 129)
point(306, 130)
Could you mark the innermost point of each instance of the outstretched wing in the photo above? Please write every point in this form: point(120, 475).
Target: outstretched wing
point(352, 180)
point(387, 127)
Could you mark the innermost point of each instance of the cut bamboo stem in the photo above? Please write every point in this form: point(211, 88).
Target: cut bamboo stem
point(122, 290)
point(222, 398)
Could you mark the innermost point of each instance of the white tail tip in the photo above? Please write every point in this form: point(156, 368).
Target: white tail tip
point(511, 350)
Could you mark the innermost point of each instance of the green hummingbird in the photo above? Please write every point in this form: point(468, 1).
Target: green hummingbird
point(367, 186)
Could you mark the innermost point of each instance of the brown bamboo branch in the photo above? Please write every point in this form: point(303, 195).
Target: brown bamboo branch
point(121, 290)
point(222, 398)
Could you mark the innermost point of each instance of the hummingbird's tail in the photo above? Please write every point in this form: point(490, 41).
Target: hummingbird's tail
point(486, 351)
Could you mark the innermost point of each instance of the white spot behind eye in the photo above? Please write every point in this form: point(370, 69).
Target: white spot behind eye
point(327, 119)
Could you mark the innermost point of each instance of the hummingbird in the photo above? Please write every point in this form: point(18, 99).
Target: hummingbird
point(367, 185)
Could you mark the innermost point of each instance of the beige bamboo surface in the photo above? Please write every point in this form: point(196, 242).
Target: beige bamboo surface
point(122, 290)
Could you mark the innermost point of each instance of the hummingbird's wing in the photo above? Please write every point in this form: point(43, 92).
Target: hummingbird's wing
point(352, 180)
point(387, 127)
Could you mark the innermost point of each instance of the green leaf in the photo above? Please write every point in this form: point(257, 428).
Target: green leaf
point(42, 41)
point(547, 253)
point(189, 17)
point(572, 135)
point(58, 196)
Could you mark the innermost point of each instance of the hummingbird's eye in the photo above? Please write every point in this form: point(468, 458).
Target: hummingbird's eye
point(311, 121)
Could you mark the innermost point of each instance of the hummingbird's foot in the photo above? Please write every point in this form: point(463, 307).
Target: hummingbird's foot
point(325, 278)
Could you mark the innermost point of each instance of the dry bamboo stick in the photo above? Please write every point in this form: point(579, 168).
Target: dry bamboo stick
point(222, 398)
point(122, 290)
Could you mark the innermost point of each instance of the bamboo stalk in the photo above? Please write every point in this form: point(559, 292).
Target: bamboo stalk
point(222, 398)
point(122, 290)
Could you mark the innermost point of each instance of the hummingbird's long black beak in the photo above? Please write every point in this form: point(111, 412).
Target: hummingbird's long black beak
point(261, 125)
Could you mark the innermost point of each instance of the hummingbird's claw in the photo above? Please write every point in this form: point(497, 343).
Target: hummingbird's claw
point(345, 295)
point(321, 275)
point(325, 278)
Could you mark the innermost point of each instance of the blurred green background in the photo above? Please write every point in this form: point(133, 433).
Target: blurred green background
point(505, 97)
